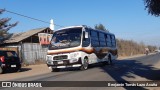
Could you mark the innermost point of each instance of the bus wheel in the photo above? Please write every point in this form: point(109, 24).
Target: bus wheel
point(84, 65)
point(55, 69)
point(109, 60)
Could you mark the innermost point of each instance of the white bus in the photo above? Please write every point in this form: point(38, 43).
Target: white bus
point(79, 46)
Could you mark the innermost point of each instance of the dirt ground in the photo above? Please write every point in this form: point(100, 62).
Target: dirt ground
point(125, 57)
point(33, 70)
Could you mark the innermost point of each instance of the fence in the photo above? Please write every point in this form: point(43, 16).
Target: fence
point(32, 52)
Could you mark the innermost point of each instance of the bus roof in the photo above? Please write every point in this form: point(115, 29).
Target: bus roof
point(80, 26)
point(69, 27)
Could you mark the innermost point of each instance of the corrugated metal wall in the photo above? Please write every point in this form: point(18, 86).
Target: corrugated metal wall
point(32, 52)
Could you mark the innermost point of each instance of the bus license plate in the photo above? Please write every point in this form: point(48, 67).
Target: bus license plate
point(13, 65)
point(60, 62)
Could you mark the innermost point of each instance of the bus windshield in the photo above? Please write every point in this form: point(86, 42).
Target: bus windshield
point(66, 38)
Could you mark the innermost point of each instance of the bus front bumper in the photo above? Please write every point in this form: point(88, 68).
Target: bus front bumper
point(67, 66)
point(64, 64)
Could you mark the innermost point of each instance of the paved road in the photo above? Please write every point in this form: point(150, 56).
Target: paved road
point(145, 68)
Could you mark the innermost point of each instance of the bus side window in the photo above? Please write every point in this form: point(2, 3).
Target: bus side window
point(94, 39)
point(108, 39)
point(86, 41)
point(113, 41)
point(102, 40)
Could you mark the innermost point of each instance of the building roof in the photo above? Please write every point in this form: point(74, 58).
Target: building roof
point(21, 36)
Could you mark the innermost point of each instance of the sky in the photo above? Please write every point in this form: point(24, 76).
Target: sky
point(127, 19)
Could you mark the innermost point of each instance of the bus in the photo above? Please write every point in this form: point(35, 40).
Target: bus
point(80, 46)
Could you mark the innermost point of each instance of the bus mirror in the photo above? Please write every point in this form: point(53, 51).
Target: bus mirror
point(86, 34)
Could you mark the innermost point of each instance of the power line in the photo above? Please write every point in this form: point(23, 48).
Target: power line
point(30, 17)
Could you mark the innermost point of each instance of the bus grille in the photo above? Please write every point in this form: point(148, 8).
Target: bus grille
point(62, 57)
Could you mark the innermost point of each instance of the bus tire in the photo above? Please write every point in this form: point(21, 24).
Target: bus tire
point(104, 63)
point(85, 64)
point(55, 69)
point(109, 60)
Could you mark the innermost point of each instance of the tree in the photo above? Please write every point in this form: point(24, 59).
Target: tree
point(100, 27)
point(151, 48)
point(5, 27)
point(153, 7)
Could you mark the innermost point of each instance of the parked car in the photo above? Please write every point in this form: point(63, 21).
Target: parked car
point(9, 61)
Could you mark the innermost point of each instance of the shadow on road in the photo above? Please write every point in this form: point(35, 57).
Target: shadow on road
point(130, 68)
point(14, 70)
point(69, 69)
point(25, 69)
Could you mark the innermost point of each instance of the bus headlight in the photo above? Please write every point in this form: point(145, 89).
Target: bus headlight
point(49, 58)
point(74, 55)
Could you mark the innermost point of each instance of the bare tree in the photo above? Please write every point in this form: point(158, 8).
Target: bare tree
point(100, 27)
point(130, 47)
point(5, 26)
